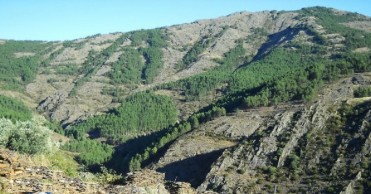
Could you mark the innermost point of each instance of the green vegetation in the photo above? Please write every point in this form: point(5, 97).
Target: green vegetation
point(333, 24)
point(138, 114)
point(115, 92)
point(197, 86)
point(197, 49)
point(286, 67)
point(343, 137)
point(107, 176)
point(192, 55)
point(277, 64)
point(54, 126)
point(298, 83)
point(28, 137)
point(289, 72)
point(279, 77)
point(130, 68)
point(153, 57)
point(18, 132)
point(13, 109)
point(172, 133)
point(94, 61)
point(340, 132)
point(155, 38)
point(257, 33)
point(363, 91)
point(62, 161)
point(145, 124)
point(73, 44)
point(88, 69)
point(70, 69)
point(52, 55)
point(284, 74)
point(91, 152)
point(19, 62)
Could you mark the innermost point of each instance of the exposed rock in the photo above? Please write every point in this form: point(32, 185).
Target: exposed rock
point(51, 103)
point(18, 175)
point(180, 188)
point(359, 79)
point(281, 131)
point(349, 189)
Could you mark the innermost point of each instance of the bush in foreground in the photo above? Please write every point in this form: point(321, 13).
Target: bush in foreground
point(28, 137)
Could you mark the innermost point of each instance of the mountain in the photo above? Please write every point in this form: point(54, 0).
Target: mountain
point(264, 102)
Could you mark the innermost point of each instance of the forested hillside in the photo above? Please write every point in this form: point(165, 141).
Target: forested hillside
point(19, 62)
point(253, 95)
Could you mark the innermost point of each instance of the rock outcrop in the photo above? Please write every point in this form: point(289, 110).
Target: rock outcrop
point(19, 175)
point(290, 137)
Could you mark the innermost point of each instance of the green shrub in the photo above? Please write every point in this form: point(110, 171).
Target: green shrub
point(362, 91)
point(27, 137)
point(91, 152)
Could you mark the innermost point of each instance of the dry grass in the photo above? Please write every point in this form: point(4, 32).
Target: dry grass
point(23, 54)
point(362, 50)
point(361, 25)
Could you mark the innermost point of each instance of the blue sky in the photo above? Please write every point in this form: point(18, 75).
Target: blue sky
point(71, 19)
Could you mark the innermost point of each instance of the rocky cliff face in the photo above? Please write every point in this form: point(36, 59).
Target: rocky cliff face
point(291, 148)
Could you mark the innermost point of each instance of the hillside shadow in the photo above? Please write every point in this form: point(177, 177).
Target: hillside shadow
point(193, 170)
point(124, 152)
point(275, 40)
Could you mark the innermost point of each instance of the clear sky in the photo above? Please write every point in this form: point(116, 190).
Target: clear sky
point(71, 19)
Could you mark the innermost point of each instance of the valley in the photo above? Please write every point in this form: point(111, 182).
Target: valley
point(260, 102)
